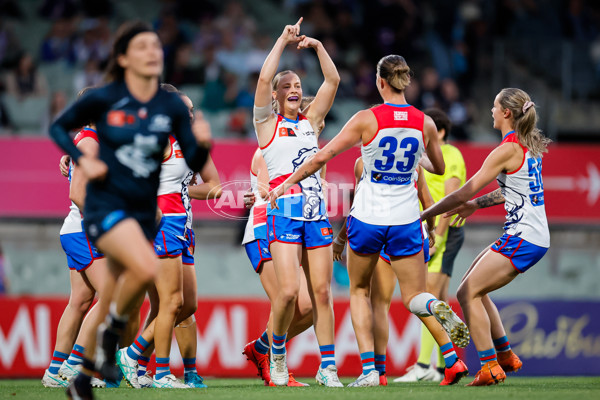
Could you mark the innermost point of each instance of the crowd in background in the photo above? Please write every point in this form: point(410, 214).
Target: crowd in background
point(220, 47)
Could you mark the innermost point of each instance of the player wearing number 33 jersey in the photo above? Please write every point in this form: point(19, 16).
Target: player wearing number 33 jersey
point(389, 161)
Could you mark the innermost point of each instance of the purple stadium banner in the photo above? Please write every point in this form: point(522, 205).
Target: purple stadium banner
point(551, 337)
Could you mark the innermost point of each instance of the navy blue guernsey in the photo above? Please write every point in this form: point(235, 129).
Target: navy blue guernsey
point(132, 137)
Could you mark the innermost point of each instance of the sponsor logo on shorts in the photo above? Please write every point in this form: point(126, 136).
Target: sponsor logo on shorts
point(158, 248)
point(326, 231)
point(289, 236)
point(498, 242)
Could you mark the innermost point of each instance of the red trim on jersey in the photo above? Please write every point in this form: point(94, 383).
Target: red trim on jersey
point(376, 133)
point(85, 133)
point(512, 138)
point(171, 203)
point(260, 214)
point(386, 118)
point(296, 189)
point(279, 118)
point(252, 172)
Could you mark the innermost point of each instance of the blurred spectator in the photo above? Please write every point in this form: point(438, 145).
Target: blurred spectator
point(171, 36)
point(10, 47)
point(256, 56)
point(90, 75)
point(94, 42)
point(430, 89)
point(58, 43)
point(317, 22)
point(58, 9)
point(211, 68)
point(24, 80)
point(236, 96)
point(208, 35)
point(457, 111)
point(58, 103)
point(364, 82)
point(214, 95)
point(412, 93)
point(238, 22)
point(230, 56)
point(184, 72)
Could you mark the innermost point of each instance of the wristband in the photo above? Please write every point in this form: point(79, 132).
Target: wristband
point(339, 242)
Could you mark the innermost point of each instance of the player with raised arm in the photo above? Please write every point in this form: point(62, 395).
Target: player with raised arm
point(385, 212)
point(299, 228)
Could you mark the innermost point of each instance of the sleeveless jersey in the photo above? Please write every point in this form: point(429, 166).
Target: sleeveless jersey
point(387, 193)
point(132, 137)
point(523, 192)
point(173, 196)
point(256, 227)
point(292, 143)
point(72, 223)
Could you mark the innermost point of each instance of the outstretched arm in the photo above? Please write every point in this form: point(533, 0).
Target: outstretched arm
point(500, 159)
point(466, 210)
point(350, 134)
point(269, 68)
point(326, 93)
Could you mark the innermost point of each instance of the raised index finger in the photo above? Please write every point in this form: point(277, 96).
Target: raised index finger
point(299, 21)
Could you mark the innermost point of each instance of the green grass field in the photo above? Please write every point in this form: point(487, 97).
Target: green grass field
point(559, 388)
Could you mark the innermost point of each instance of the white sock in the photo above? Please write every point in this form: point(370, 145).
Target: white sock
point(418, 304)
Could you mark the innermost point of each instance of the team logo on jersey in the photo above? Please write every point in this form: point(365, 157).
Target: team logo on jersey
point(178, 154)
point(160, 123)
point(142, 113)
point(286, 132)
point(119, 118)
point(400, 116)
point(137, 155)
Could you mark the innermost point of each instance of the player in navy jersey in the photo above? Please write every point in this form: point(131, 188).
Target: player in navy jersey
point(385, 211)
point(299, 227)
point(516, 164)
point(173, 245)
point(134, 120)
